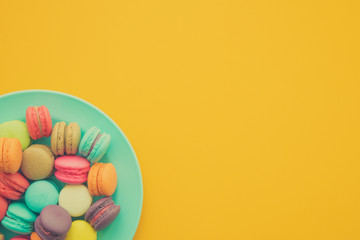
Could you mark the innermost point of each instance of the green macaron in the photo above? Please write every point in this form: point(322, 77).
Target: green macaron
point(41, 194)
point(19, 219)
point(16, 129)
point(94, 144)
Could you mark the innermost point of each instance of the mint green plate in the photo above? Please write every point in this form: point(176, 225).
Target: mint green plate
point(64, 107)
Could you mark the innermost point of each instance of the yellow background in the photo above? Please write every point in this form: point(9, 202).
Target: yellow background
point(244, 114)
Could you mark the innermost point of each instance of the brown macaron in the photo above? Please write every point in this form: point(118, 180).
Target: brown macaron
point(65, 138)
point(37, 162)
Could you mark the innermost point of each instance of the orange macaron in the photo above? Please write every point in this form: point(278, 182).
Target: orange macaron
point(10, 155)
point(102, 179)
point(34, 236)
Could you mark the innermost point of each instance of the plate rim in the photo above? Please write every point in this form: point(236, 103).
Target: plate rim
point(106, 116)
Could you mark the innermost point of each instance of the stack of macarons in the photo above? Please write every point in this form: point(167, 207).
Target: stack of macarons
point(33, 202)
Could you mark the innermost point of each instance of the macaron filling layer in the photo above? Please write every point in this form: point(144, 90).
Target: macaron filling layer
point(70, 178)
point(99, 214)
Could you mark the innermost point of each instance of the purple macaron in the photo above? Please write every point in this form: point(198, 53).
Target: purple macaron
point(53, 223)
point(102, 213)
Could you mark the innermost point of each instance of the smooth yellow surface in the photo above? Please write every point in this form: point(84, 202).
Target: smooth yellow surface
point(81, 230)
point(245, 115)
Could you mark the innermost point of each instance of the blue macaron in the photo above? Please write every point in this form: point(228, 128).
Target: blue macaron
point(94, 144)
point(19, 219)
point(41, 194)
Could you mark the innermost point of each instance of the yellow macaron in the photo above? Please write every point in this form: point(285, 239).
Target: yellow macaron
point(81, 230)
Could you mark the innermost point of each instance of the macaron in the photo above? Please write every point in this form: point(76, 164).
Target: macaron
point(102, 213)
point(94, 144)
point(102, 179)
point(37, 162)
point(38, 121)
point(81, 230)
point(2, 237)
point(4, 203)
point(12, 186)
point(53, 223)
point(65, 138)
point(16, 129)
point(20, 237)
point(72, 169)
point(76, 199)
point(19, 218)
point(34, 235)
point(10, 155)
point(41, 194)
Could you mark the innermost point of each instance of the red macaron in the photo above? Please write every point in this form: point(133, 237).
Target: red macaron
point(4, 203)
point(12, 186)
point(38, 121)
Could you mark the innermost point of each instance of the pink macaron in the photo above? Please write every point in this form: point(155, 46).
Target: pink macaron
point(22, 237)
point(72, 169)
point(38, 122)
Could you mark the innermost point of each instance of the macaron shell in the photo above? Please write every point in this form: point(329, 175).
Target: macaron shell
point(55, 219)
point(11, 156)
point(4, 203)
point(57, 139)
point(87, 141)
point(81, 230)
point(22, 237)
point(72, 162)
point(32, 123)
point(107, 179)
point(16, 129)
point(38, 162)
point(8, 192)
point(53, 223)
point(45, 120)
point(12, 186)
point(71, 178)
point(76, 199)
point(92, 179)
point(41, 194)
point(21, 211)
point(35, 236)
point(100, 148)
point(72, 138)
point(16, 227)
point(2, 163)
